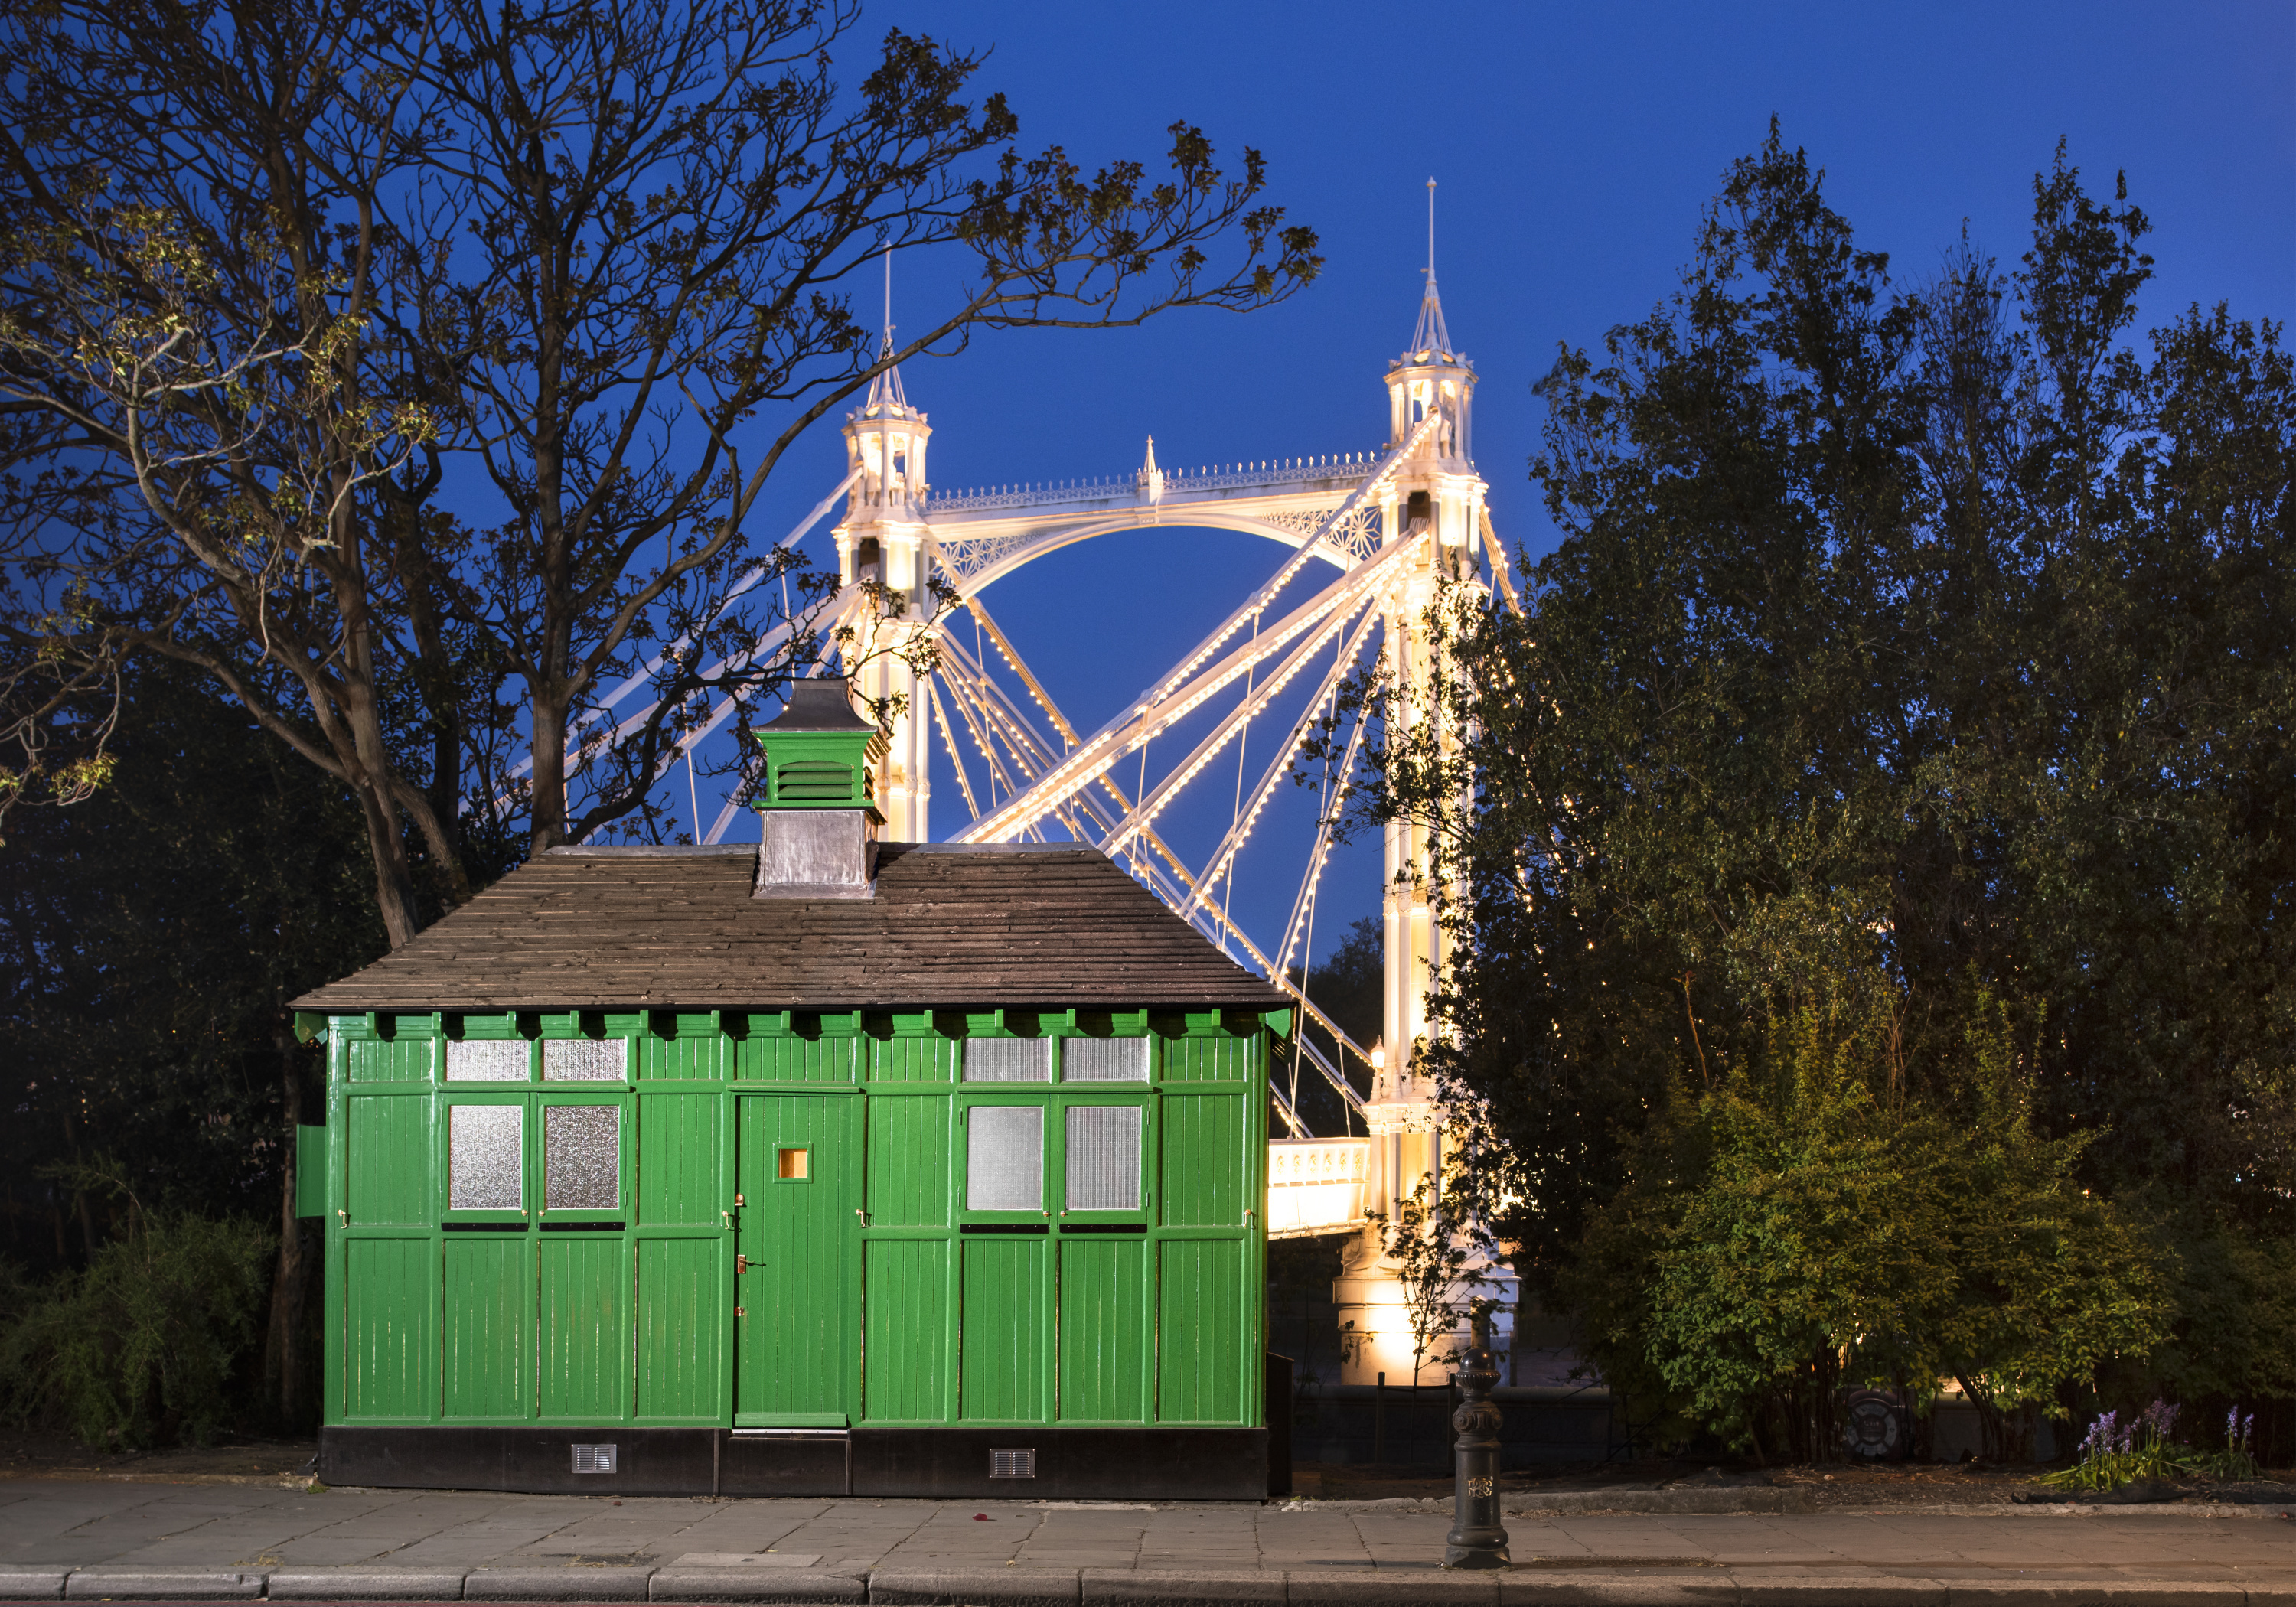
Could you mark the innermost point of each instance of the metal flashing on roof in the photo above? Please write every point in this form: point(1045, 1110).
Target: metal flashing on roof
point(647, 850)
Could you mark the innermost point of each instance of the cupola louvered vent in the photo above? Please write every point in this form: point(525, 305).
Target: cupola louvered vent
point(814, 781)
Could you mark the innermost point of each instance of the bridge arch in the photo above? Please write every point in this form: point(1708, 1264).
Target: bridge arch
point(1052, 536)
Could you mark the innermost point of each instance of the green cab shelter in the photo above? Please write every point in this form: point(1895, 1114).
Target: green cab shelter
point(815, 1166)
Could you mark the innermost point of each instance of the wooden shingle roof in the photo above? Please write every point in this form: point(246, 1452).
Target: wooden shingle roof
point(950, 925)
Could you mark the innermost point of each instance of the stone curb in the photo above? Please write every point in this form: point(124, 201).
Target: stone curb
point(557, 1584)
point(366, 1585)
point(2100, 1592)
point(1620, 1590)
point(1392, 1587)
point(777, 1584)
point(976, 1588)
point(1152, 1587)
point(1130, 1587)
point(164, 1585)
point(1577, 1504)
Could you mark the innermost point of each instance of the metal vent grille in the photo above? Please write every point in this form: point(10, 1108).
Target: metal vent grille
point(1013, 1464)
point(593, 1458)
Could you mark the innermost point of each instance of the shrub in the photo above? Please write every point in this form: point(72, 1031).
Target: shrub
point(141, 1345)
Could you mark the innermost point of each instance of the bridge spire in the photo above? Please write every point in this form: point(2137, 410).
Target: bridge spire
point(1430, 341)
point(886, 397)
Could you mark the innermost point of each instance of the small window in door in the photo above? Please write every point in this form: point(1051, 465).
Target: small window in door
point(482, 1157)
point(1102, 1158)
point(1005, 1158)
point(581, 1158)
point(793, 1164)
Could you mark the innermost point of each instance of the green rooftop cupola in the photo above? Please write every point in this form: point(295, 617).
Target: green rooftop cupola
point(820, 754)
point(818, 817)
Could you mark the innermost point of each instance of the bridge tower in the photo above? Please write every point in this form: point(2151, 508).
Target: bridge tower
point(881, 540)
point(1434, 491)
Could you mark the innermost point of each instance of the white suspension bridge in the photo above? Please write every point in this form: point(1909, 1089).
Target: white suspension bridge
point(1374, 536)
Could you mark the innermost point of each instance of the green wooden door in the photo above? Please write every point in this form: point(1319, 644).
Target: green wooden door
point(795, 1345)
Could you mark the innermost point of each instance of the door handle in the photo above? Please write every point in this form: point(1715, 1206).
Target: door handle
point(740, 1264)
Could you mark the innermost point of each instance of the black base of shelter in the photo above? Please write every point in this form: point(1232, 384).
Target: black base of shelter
point(1154, 1464)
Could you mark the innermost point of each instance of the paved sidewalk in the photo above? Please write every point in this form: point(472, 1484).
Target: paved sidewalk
point(88, 1541)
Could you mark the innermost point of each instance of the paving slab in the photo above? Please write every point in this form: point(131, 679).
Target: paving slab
point(365, 1585)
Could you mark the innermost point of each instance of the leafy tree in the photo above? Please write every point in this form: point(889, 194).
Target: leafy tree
point(149, 940)
point(1799, 1228)
point(1909, 646)
point(277, 283)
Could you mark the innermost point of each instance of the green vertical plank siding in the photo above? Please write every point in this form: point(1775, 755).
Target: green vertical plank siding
point(389, 1161)
point(390, 1339)
point(679, 1148)
point(912, 1059)
point(1199, 1317)
point(1104, 1335)
point(905, 1293)
point(1204, 1164)
point(986, 1328)
point(1225, 1058)
point(681, 1330)
point(585, 1366)
point(909, 1162)
point(793, 1346)
point(1001, 1367)
point(489, 1325)
point(698, 1056)
point(401, 1060)
point(826, 1059)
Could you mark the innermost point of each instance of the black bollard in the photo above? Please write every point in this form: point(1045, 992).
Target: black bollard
point(1477, 1538)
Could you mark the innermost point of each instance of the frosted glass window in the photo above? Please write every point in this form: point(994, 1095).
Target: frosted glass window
point(581, 1158)
point(1103, 1158)
point(1104, 1060)
point(1008, 1060)
point(1005, 1158)
point(583, 1060)
point(487, 1061)
point(483, 1157)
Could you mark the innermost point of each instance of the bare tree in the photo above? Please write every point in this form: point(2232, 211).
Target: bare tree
point(663, 207)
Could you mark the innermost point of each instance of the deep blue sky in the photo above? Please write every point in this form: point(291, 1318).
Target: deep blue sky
point(1575, 146)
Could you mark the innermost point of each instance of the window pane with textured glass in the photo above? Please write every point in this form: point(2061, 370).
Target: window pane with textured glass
point(1104, 1060)
point(581, 1158)
point(1008, 1060)
point(487, 1061)
point(1103, 1158)
point(583, 1060)
point(1005, 1158)
point(483, 1157)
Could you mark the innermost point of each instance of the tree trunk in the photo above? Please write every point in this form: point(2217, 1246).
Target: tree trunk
point(283, 1356)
